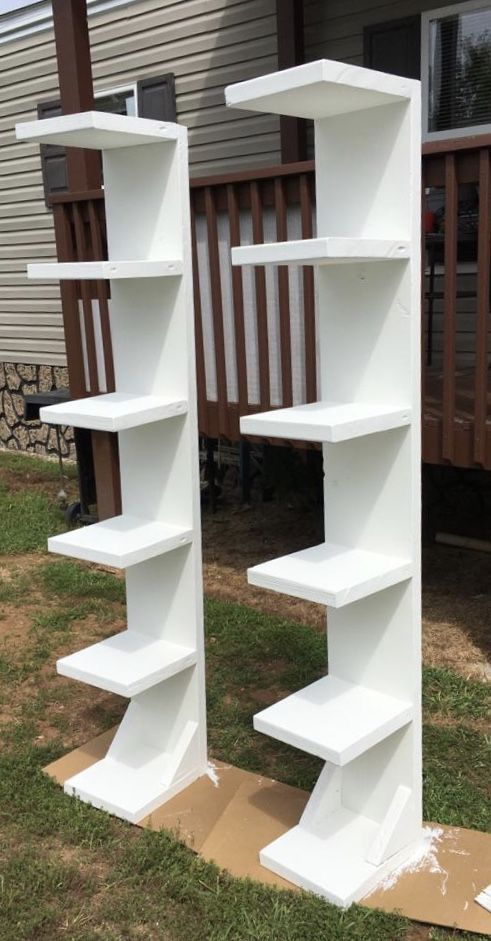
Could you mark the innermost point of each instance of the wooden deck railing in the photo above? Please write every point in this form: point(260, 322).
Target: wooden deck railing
point(255, 330)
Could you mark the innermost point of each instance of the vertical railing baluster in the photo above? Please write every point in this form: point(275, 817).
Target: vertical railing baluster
point(450, 307)
point(481, 365)
point(217, 310)
point(261, 301)
point(88, 316)
point(283, 296)
point(308, 294)
point(203, 423)
point(238, 302)
point(102, 296)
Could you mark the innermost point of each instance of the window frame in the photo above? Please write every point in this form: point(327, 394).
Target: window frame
point(117, 90)
point(439, 13)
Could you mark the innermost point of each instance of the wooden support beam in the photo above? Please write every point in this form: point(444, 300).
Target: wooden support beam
point(289, 19)
point(76, 89)
point(84, 173)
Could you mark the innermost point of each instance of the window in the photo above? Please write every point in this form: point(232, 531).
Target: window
point(456, 71)
point(117, 100)
point(149, 98)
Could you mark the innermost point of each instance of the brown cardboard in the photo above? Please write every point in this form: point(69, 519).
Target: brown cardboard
point(231, 814)
point(443, 891)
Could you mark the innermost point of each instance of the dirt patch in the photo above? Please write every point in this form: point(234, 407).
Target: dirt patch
point(456, 583)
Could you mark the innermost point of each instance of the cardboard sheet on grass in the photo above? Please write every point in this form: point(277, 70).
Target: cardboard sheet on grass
point(229, 819)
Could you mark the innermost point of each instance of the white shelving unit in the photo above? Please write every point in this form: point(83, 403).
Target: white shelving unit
point(158, 662)
point(364, 719)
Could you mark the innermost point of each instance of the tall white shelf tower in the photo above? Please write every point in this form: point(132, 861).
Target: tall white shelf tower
point(158, 662)
point(364, 719)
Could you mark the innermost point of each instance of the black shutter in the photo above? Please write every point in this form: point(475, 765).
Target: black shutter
point(156, 98)
point(394, 47)
point(53, 158)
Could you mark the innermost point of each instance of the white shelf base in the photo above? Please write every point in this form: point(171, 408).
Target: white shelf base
point(333, 719)
point(103, 270)
point(120, 541)
point(329, 250)
point(318, 90)
point(127, 664)
point(332, 862)
point(96, 130)
point(330, 574)
point(115, 411)
point(325, 421)
point(129, 792)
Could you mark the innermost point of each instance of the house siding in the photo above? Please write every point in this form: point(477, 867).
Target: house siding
point(334, 30)
point(207, 44)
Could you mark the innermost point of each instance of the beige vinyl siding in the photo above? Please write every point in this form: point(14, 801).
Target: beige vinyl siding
point(207, 44)
point(334, 29)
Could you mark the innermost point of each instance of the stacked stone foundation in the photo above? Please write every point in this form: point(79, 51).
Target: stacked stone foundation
point(16, 434)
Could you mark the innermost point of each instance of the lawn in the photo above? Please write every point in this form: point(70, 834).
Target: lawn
point(68, 871)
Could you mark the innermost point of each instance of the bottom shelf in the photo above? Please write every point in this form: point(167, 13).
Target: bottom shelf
point(128, 791)
point(332, 862)
point(127, 663)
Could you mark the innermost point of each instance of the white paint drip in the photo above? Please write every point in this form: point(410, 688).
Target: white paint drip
point(425, 857)
point(211, 771)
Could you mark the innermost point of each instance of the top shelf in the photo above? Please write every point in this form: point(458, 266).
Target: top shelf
point(319, 90)
point(97, 130)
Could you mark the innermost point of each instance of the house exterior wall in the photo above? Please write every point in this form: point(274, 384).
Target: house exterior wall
point(207, 44)
point(334, 29)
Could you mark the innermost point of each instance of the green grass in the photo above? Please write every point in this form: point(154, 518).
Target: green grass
point(447, 694)
point(28, 514)
point(70, 872)
point(68, 579)
point(27, 521)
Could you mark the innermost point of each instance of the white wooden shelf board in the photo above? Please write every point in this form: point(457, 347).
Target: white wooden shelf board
point(120, 541)
point(130, 792)
point(330, 574)
point(114, 411)
point(127, 663)
point(325, 421)
point(103, 270)
point(335, 720)
point(332, 862)
point(96, 130)
point(327, 250)
point(318, 90)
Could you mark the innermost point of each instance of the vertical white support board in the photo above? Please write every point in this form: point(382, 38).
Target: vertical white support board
point(365, 814)
point(158, 662)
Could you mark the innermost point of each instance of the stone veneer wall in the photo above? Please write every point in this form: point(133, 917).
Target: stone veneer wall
point(16, 381)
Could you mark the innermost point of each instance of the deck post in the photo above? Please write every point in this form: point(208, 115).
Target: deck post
point(84, 173)
point(289, 20)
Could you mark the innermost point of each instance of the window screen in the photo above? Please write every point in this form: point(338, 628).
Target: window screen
point(459, 73)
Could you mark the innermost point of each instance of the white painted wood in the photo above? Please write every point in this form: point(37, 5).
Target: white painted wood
point(115, 411)
point(127, 663)
point(103, 270)
point(324, 421)
point(484, 898)
point(158, 662)
point(331, 862)
point(364, 816)
point(120, 541)
point(319, 90)
point(330, 574)
point(329, 250)
point(326, 798)
point(384, 844)
point(97, 130)
point(153, 755)
point(335, 720)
